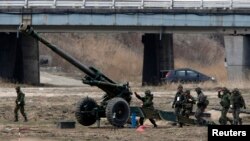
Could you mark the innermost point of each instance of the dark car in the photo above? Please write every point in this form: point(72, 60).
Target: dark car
point(184, 75)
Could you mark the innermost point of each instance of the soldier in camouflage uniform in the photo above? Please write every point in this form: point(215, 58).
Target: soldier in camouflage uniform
point(225, 103)
point(237, 102)
point(177, 103)
point(20, 104)
point(202, 103)
point(188, 103)
point(147, 103)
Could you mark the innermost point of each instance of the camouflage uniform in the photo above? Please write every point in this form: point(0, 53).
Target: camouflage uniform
point(20, 104)
point(225, 103)
point(147, 103)
point(237, 102)
point(177, 104)
point(202, 103)
point(188, 103)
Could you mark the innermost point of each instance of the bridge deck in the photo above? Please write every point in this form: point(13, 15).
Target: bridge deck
point(225, 16)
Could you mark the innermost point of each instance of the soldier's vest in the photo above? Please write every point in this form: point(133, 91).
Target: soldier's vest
point(204, 101)
point(20, 98)
point(179, 100)
point(188, 106)
point(187, 103)
point(148, 102)
point(237, 101)
point(225, 101)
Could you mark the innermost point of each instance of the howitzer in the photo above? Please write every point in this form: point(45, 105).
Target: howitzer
point(115, 104)
point(116, 100)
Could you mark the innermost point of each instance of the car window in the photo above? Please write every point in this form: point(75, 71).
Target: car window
point(180, 73)
point(192, 74)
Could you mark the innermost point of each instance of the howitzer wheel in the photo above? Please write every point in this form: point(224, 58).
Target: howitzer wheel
point(117, 112)
point(84, 111)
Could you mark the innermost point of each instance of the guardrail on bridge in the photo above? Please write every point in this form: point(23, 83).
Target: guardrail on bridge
point(127, 4)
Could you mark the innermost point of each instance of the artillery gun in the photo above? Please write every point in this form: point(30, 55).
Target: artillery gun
point(116, 100)
point(115, 103)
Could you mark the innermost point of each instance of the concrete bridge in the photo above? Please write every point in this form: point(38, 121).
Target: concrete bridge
point(158, 19)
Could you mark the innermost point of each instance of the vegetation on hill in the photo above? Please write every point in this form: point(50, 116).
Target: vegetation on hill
point(200, 52)
point(120, 56)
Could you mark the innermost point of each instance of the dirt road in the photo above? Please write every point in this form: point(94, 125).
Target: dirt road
point(46, 105)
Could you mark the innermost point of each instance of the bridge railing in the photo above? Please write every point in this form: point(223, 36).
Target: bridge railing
point(134, 4)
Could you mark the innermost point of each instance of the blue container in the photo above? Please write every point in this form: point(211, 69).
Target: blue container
point(133, 120)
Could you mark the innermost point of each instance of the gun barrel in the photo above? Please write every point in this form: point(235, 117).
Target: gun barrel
point(93, 78)
point(29, 30)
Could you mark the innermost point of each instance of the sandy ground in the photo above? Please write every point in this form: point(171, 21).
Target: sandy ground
point(46, 105)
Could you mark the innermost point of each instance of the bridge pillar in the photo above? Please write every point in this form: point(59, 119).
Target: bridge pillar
point(158, 55)
point(19, 58)
point(238, 57)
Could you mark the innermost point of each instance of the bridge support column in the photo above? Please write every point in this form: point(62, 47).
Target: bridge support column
point(19, 58)
point(238, 57)
point(158, 55)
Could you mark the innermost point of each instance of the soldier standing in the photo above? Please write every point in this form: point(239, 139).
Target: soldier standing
point(202, 103)
point(177, 103)
point(20, 102)
point(147, 103)
point(225, 103)
point(237, 102)
point(188, 103)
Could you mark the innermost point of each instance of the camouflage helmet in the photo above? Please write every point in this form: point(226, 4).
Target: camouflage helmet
point(198, 89)
point(180, 87)
point(224, 89)
point(18, 88)
point(235, 91)
point(148, 92)
point(187, 92)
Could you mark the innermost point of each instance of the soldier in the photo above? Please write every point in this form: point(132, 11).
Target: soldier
point(188, 103)
point(237, 102)
point(177, 104)
point(202, 103)
point(20, 104)
point(147, 103)
point(225, 103)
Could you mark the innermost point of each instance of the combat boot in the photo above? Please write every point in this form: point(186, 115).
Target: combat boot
point(155, 125)
point(235, 123)
point(141, 120)
point(240, 121)
point(231, 122)
point(153, 122)
point(16, 119)
point(180, 124)
point(25, 119)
